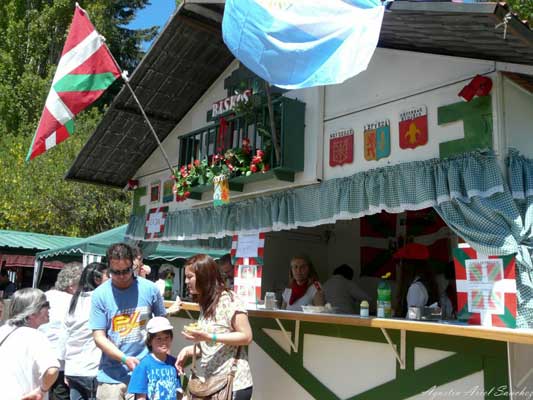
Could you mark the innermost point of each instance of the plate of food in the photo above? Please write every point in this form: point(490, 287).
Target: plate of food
point(318, 309)
point(192, 327)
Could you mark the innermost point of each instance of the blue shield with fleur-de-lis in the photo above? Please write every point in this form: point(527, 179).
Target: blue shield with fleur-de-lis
point(382, 142)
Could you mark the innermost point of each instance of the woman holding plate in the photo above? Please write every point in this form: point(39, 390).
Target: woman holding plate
point(221, 333)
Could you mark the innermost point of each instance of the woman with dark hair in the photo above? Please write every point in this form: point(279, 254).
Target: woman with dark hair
point(304, 288)
point(29, 366)
point(82, 357)
point(223, 327)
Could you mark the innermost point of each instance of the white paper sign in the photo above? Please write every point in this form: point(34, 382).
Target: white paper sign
point(247, 245)
point(155, 222)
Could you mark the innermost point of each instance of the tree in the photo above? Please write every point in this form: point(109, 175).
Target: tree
point(523, 8)
point(34, 196)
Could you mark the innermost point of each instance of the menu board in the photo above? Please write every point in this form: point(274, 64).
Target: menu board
point(486, 288)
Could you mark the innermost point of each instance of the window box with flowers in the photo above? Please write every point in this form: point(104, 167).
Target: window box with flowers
point(252, 159)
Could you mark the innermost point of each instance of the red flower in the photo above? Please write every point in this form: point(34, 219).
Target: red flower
point(253, 168)
point(196, 163)
point(187, 194)
point(184, 173)
point(245, 142)
point(189, 166)
point(260, 153)
point(256, 160)
point(231, 167)
point(265, 168)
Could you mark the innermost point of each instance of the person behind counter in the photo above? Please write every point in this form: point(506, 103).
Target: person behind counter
point(304, 288)
point(416, 272)
point(342, 292)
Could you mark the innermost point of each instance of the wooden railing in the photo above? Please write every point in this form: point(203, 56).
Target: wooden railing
point(229, 132)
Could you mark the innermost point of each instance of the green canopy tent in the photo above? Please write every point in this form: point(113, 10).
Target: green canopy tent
point(18, 249)
point(93, 248)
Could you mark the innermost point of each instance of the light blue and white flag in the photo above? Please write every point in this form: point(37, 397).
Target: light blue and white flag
point(302, 43)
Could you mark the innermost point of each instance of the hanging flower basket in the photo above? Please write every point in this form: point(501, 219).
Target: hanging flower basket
point(232, 163)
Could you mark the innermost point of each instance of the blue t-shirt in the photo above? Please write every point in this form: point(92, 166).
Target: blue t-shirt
point(123, 314)
point(156, 379)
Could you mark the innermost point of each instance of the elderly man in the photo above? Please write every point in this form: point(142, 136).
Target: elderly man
point(121, 308)
point(59, 298)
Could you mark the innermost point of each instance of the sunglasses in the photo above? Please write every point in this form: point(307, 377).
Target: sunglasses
point(119, 272)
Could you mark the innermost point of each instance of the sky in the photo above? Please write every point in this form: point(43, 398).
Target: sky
point(155, 14)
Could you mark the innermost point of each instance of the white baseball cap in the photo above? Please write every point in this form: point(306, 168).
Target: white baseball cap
point(158, 324)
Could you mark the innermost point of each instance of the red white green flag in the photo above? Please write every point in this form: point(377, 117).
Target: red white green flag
point(486, 288)
point(86, 69)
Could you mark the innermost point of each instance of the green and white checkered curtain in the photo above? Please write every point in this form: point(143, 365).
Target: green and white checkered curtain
point(520, 177)
point(495, 225)
point(407, 186)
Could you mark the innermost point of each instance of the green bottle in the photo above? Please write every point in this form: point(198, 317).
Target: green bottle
point(384, 309)
point(168, 289)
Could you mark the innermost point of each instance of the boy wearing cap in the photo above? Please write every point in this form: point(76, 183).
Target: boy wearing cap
point(156, 376)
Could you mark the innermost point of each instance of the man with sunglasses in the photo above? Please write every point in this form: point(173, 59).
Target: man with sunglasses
point(120, 309)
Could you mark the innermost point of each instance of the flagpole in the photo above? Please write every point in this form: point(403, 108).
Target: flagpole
point(127, 82)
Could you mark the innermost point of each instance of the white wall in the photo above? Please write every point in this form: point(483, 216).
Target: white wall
point(518, 108)
point(396, 81)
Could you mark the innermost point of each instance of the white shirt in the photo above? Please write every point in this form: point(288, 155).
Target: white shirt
point(160, 283)
point(54, 330)
point(305, 300)
point(24, 358)
point(417, 295)
point(343, 294)
point(82, 357)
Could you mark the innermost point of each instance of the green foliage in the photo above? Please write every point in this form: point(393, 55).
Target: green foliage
point(524, 9)
point(34, 196)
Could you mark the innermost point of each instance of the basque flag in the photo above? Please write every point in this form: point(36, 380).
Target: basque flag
point(303, 43)
point(86, 69)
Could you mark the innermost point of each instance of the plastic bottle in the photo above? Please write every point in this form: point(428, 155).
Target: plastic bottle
point(384, 297)
point(363, 309)
point(167, 295)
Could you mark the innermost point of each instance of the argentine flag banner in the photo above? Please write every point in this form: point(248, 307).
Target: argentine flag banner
point(303, 43)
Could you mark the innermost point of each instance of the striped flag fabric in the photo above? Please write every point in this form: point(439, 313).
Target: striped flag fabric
point(296, 44)
point(486, 288)
point(86, 69)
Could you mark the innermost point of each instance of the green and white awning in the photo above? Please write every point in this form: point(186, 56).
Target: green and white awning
point(409, 186)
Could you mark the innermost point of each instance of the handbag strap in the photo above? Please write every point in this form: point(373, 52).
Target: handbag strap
point(9, 334)
point(233, 365)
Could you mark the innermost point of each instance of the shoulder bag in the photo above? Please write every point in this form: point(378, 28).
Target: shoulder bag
point(215, 387)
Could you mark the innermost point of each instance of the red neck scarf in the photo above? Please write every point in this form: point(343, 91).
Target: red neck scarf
point(297, 291)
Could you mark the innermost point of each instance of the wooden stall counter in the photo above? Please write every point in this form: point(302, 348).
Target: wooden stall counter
point(454, 328)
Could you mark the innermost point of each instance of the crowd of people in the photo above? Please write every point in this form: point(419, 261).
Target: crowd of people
point(102, 333)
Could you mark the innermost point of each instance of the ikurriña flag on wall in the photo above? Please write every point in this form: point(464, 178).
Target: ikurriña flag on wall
point(486, 288)
point(86, 69)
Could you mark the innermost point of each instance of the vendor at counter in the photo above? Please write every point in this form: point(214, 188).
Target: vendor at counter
point(304, 288)
point(426, 287)
point(342, 292)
